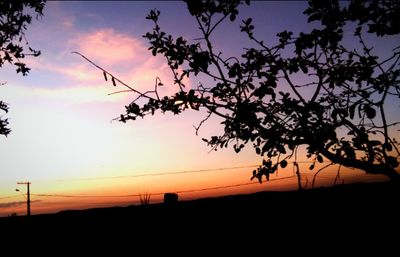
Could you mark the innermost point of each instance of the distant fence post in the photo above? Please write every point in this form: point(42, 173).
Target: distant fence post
point(298, 175)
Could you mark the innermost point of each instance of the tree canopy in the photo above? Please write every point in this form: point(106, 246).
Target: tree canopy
point(339, 112)
point(14, 46)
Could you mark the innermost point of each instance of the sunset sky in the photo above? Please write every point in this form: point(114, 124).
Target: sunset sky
point(63, 139)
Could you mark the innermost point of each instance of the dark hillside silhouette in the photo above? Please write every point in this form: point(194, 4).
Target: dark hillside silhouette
point(310, 90)
point(332, 217)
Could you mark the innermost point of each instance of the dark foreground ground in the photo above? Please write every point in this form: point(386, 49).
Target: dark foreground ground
point(358, 215)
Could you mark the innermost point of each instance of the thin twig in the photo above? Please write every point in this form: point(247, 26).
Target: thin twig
point(202, 122)
point(315, 175)
point(337, 175)
point(122, 91)
point(107, 72)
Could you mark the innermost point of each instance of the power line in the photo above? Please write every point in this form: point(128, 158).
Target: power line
point(138, 195)
point(11, 196)
point(229, 186)
point(160, 173)
point(84, 196)
point(169, 173)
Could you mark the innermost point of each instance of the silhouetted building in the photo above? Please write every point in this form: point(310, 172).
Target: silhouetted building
point(170, 198)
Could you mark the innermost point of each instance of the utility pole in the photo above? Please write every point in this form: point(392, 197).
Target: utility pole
point(28, 199)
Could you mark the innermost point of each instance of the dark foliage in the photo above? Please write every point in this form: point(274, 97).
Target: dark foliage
point(14, 46)
point(339, 114)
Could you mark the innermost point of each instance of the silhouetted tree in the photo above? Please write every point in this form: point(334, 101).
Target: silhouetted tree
point(309, 89)
point(14, 18)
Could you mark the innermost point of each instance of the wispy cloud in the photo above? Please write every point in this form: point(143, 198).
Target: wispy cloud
point(69, 78)
point(80, 94)
point(123, 55)
point(15, 204)
point(109, 47)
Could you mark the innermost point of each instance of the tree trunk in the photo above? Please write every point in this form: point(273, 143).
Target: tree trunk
point(362, 165)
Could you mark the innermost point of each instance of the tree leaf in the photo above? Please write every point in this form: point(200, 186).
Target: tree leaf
point(281, 149)
point(283, 163)
point(375, 142)
point(392, 162)
point(113, 81)
point(388, 147)
point(105, 76)
point(369, 111)
point(352, 110)
point(123, 118)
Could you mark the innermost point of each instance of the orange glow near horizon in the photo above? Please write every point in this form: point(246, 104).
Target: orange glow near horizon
point(65, 143)
point(87, 193)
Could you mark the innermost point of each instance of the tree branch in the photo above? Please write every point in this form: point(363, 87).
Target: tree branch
point(117, 79)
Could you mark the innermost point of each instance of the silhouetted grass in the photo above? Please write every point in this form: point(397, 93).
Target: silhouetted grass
point(144, 198)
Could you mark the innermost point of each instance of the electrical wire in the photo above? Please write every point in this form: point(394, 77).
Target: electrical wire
point(138, 195)
point(7, 197)
point(169, 173)
point(159, 173)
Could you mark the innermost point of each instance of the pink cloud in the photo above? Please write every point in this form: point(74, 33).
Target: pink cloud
point(126, 56)
point(123, 55)
point(110, 47)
